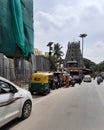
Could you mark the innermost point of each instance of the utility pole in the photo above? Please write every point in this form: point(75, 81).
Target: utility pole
point(50, 52)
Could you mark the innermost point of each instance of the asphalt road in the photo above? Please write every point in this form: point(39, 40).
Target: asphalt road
point(74, 108)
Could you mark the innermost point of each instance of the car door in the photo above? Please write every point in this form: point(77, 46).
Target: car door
point(10, 101)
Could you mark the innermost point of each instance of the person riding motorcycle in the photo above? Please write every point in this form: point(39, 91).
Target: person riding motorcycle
point(99, 79)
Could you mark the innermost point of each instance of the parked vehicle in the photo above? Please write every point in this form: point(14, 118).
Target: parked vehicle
point(77, 79)
point(87, 78)
point(76, 74)
point(41, 82)
point(58, 80)
point(14, 102)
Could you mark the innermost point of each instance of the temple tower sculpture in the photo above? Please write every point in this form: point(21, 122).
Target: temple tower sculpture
point(73, 56)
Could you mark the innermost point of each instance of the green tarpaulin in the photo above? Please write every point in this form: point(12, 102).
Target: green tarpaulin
point(16, 28)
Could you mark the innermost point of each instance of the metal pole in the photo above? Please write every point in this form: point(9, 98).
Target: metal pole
point(82, 46)
point(82, 36)
point(50, 51)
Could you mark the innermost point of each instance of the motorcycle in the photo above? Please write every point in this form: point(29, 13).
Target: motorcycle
point(99, 79)
point(72, 82)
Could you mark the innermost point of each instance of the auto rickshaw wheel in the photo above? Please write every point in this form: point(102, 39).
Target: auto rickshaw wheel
point(49, 90)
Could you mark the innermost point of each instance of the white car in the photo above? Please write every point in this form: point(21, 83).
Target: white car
point(87, 78)
point(14, 102)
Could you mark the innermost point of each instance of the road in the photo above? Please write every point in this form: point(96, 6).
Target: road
point(74, 108)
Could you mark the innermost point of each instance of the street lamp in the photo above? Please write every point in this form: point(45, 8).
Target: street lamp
point(50, 47)
point(82, 36)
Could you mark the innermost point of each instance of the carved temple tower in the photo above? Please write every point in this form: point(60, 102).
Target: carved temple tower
point(73, 55)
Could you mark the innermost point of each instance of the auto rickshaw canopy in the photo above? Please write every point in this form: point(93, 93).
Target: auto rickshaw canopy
point(41, 77)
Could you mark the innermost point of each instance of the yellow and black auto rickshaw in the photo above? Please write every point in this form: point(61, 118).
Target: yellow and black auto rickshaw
point(40, 82)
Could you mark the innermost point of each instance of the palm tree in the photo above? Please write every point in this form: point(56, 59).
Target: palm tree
point(57, 51)
point(55, 55)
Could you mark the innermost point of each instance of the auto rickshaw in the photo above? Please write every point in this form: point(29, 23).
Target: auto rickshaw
point(58, 80)
point(40, 82)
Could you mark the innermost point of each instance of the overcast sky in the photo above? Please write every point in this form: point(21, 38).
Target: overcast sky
point(62, 21)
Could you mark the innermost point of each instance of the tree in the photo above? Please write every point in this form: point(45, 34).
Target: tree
point(89, 64)
point(56, 55)
point(96, 67)
point(57, 51)
point(100, 66)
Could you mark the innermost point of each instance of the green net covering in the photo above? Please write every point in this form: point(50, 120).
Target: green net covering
point(16, 28)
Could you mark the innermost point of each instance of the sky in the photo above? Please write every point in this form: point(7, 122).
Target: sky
point(62, 21)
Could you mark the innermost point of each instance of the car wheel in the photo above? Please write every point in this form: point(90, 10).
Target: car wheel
point(26, 110)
